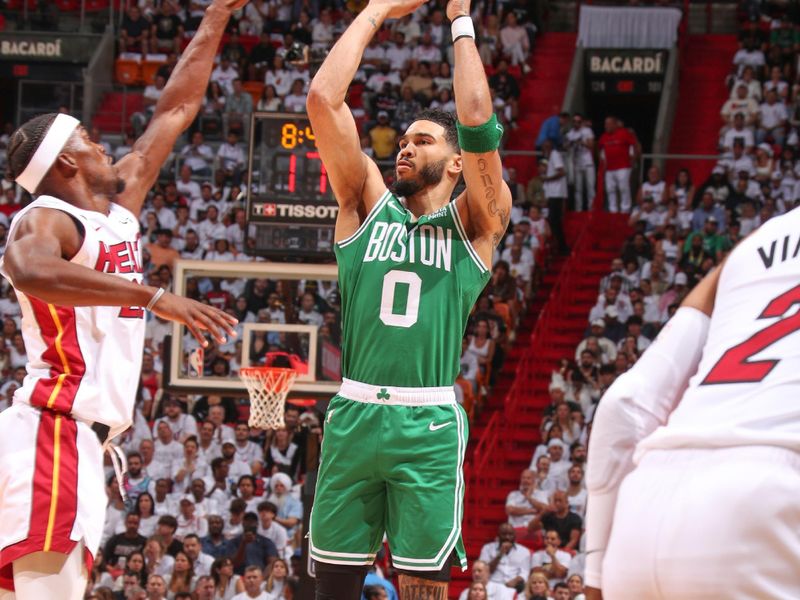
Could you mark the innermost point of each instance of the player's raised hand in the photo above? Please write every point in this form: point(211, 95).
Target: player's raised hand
point(197, 317)
point(457, 8)
point(397, 8)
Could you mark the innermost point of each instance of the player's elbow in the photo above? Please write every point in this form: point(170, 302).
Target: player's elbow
point(318, 100)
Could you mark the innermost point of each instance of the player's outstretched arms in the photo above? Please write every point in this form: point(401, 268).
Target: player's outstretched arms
point(176, 108)
point(37, 262)
point(488, 198)
point(356, 180)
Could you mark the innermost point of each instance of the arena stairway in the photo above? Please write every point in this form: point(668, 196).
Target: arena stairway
point(115, 109)
point(541, 95)
point(705, 61)
point(503, 441)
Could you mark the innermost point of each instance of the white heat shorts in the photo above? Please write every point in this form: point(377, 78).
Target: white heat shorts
point(715, 524)
point(52, 493)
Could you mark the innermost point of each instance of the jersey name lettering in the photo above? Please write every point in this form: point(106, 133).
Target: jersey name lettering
point(427, 244)
point(784, 252)
point(118, 258)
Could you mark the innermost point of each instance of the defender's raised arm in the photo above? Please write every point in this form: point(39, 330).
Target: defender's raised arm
point(488, 197)
point(176, 108)
point(355, 179)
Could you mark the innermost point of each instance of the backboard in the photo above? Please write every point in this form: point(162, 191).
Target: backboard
point(274, 324)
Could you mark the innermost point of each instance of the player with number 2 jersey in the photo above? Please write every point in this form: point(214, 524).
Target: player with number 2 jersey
point(694, 462)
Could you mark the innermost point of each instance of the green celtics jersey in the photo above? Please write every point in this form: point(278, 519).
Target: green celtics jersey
point(407, 289)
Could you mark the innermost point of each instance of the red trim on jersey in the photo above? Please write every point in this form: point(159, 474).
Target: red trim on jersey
point(54, 508)
point(68, 384)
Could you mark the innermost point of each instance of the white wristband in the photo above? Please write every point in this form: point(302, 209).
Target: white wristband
point(462, 26)
point(160, 292)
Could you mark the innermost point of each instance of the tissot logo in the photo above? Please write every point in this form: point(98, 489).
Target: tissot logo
point(314, 212)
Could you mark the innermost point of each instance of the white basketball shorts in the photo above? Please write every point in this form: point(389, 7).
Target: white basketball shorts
point(52, 493)
point(710, 524)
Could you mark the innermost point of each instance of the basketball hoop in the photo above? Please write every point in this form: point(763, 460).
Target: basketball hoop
point(268, 388)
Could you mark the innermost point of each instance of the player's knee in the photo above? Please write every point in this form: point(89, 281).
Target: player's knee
point(339, 582)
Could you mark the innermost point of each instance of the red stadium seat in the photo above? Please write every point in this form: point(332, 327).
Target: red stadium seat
point(128, 72)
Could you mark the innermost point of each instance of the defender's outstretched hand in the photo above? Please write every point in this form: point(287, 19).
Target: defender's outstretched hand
point(397, 8)
point(198, 317)
point(457, 8)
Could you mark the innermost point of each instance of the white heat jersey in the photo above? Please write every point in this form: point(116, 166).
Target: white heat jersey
point(747, 388)
point(86, 360)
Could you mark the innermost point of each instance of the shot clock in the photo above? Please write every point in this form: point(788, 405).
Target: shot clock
point(290, 207)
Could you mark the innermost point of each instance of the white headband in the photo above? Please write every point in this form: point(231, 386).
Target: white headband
point(47, 152)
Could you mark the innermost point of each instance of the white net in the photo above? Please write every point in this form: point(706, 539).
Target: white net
point(268, 387)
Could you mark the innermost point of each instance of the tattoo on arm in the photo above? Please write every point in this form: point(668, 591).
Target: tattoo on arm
point(491, 200)
point(373, 21)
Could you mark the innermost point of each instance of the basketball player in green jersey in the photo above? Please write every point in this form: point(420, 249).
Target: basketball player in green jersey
point(411, 265)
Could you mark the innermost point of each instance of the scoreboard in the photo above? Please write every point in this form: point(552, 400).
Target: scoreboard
point(291, 211)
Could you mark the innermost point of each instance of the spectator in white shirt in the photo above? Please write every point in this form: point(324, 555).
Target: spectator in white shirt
point(181, 424)
point(426, 51)
point(236, 232)
point(750, 56)
point(224, 75)
point(523, 504)
point(295, 101)
point(777, 84)
point(210, 229)
point(509, 563)
point(248, 452)
point(166, 448)
point(554, 561)
point(515, 42)
point(494, 591)
point(189, 521)
point(269, 528)
point(385, 74)
point(398, 54)
point(308, 313)
point(186, 187)
point(198, 155)
point(753, 84)
point(152, 93)
point(738, 132)
point(740, 102)
point(231, 158)
point(201, 562)
point(192, 249)
point(773, 120)
point(279, 77)
point(322, 31)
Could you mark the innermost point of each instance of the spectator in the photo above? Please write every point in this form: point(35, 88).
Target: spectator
point(162, 252)
point(134, 31)
point(200, 561)
point(251, 549)
point(773, 120)
point(426, 51)
point(122, 545)
point(509, 563)
point(261, 56)
point(749, 56)
point(235, 52)
point(322, 31)
point(398, 54)
point(198, 155)
point(186, 186)
point(167, 29)
point(269, 101)
point(295, 101)
point(383, 137)
point(182, 576)
point(740, 102)
point(381, 77)
point(156, 587)
point(538, 586)
point(420, 82)
point(552, 128)
point(552, 560)
point(515, 42)
point(269, 528)
point(214, 544)
point(238, 108)
point(739, 132)
point(555, 189)
point(618, 148)
point(489, 39)
point(524, 503)
point(231, 157)
point(580, 157)
point(493, 591)
point(189, 521)
point(290, 510)
point(224, 74)
point(152, 93)
point(707, 209)
point(566, 523)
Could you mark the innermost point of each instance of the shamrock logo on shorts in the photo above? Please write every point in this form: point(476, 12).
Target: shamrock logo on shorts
point(383, 394)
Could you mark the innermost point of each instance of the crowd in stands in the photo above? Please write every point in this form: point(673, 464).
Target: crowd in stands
point(681, 230)
point(212, 508)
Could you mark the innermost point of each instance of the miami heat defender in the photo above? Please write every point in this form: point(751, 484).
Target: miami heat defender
point(694, 467)
point(74, 258)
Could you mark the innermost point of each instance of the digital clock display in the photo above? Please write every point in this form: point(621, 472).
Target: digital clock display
point(289, 192)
